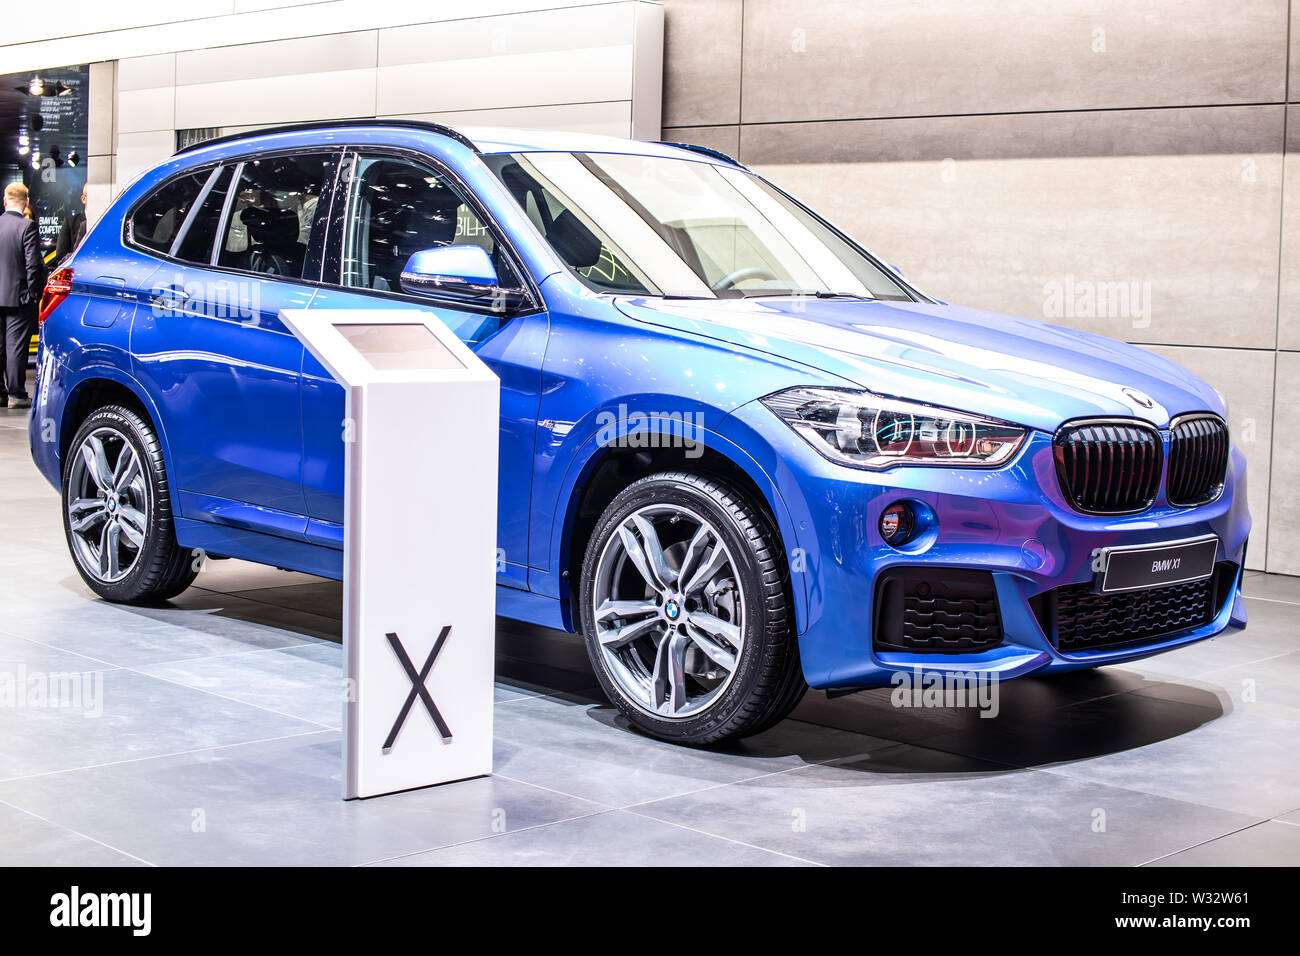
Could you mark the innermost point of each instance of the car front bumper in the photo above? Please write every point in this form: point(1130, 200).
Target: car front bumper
point(1012, 522)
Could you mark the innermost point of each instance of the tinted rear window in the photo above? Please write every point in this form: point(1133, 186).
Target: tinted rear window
point(158, 219)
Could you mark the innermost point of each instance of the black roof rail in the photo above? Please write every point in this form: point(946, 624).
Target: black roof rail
point(715, 153)
point(335, 124)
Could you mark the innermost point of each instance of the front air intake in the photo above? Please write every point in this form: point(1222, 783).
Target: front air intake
point(1198, 459)
point(936, 610)
point(1109, 467)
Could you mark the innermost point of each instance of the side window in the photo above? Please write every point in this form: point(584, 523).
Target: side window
point(202, 231)
point(274, 212)
point(397, 208)
point(158, 219)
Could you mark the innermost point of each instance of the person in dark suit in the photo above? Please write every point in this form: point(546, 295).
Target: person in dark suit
point(22, 279)
point(72, 231)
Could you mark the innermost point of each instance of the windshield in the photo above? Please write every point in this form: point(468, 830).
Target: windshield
point(657, 226)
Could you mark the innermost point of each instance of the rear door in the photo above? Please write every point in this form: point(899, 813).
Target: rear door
point(212, 351)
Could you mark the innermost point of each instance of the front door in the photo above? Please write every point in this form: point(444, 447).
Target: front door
point(395, 206)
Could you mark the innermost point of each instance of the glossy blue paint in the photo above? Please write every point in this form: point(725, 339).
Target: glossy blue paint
point(252, 426)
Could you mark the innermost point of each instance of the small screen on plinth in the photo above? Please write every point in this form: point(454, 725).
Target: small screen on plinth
point(389, 346)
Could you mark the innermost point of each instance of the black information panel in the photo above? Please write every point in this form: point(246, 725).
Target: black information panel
point(1130, 569)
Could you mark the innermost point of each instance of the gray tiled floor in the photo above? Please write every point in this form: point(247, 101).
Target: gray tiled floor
point(210, 735)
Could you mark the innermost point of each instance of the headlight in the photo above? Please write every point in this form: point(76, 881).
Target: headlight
point(869, 431)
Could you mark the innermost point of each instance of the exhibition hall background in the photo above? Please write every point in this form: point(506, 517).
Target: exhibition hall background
point(1122, 167)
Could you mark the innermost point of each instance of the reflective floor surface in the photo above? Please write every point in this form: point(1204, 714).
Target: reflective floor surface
point(209, 735)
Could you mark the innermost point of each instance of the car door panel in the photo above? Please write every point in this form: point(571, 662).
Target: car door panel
point(229, 378)
point(513, 348)
point(514, 354)
point(208, 340)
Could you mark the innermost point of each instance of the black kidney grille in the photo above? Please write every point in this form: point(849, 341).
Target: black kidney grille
point(1109, 467)
point(1198, 459)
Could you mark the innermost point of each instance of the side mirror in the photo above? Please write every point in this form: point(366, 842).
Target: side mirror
point(461, 273)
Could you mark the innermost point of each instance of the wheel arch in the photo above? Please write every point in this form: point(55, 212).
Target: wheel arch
point(104, 385)
point(604, 468)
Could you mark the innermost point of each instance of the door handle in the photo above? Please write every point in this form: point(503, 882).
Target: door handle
point(170, 298)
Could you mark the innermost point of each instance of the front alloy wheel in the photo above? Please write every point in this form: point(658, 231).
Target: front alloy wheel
point(669, 617)
point(685, 600)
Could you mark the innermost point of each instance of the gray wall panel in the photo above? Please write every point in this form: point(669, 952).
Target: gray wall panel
point(1246, 130)
point(1293, 84)
point(146, 72)
point(1192, 238)
point(338, 51)
point(1288, 324)
point(547, 31)
point(1284, 499)
point(841, 58)
point(702, 63)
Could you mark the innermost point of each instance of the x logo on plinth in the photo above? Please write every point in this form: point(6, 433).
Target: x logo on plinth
point(418, 688)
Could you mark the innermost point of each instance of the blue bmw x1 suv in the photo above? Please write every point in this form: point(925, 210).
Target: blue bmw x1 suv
point(738, 454)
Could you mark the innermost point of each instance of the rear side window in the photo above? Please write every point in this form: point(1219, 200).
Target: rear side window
point(156, 221)
point(274, 212)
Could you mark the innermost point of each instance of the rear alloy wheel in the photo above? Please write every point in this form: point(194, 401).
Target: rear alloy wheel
point(108, 505)
point(686, 611)
point(116, 511)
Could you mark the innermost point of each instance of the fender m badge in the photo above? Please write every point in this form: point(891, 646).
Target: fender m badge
point(418, 689)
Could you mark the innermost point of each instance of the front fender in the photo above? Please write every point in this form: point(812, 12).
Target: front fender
point(634, 428)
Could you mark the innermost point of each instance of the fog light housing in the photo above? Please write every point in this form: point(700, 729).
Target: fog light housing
point(897, 524)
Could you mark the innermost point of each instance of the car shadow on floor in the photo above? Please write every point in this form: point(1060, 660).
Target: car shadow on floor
point(1031, 722)
point(1037, 722)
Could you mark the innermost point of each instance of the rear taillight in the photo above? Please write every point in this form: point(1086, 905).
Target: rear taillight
point(57, 287)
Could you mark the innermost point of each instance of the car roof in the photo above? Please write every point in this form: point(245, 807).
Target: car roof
point(491, 140)
point(484, 140)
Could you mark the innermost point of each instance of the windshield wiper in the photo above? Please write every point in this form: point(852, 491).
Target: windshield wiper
point(805, 293)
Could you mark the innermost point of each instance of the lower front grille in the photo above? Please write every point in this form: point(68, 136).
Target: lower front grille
point(938, 610)
point(1078, 619)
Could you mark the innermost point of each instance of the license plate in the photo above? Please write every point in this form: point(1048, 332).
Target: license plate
point(1156, 565)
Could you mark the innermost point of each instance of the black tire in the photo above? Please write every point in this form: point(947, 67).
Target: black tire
point(163, 569)
point(767, 681)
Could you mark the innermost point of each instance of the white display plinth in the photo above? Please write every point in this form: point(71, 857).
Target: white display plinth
point(419, 553)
